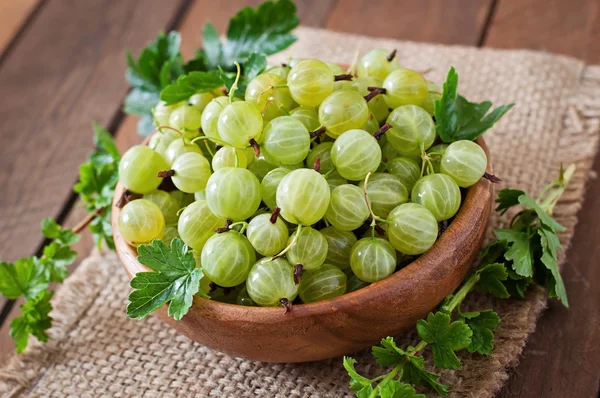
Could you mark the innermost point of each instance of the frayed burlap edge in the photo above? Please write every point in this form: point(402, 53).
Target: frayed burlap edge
point(582, 119)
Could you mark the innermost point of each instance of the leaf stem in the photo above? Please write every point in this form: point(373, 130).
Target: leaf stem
point(389, 377)
point(87, 220)
point(461, 294)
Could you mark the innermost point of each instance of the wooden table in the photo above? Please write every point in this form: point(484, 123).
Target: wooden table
point(62, 65)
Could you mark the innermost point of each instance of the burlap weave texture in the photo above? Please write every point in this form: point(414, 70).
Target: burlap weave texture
point(95, 350)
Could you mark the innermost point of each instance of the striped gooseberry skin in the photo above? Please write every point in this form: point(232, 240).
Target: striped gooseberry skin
point(210, 117)
point(161, 141)
point(405, 87)
point(339, 246)
point(166, 203)
point(285, 141)
point(267, 238)
point(436, 152)
point(267, 92)
point(260, 166)
point(225, 157)
point(375, 64)
point(269, 186)
point(178, 147)
point(412, 229)
point(434, 93)
point(270, 280)
point(347, 208)
point(439, 194)
point(185, 118)
point(323, 153)
point(377, 104)
point(342, 111)
point(308, 116)
point(192, 171)
point(412, 130)
point(310, 82)
point(233, 193)
point(227, 258)
point(141, 221)
point(385, 192)
point(335, 180)
point(355, 154)
point(406, 169)
point(465, 162)
point(310, 249)
point(303, 196)
point(371, 125)
point(325, 282)
point(139, 167)
point(372, 259)
point(239, 123)
point(197, 223)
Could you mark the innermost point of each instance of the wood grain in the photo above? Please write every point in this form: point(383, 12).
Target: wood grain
point(447, 22)
point(558, 26)
point(65, 72)
point(13, 15)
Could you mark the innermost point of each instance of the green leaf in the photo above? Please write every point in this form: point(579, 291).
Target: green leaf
point(265, 29)
point(491, 278)
point(105, 142)
point(550, 245)
point(188, 85)
point(139, 102)
point(508, 198)
point(415, 373)
point(365, 392)
point(458, 119)
point(545, 219)
point(445, 337)
point(22, 278)
point(493, 253)
point(520, 250)
point(357, 382)
point(176, 280)
point(52, 230)
point(481, 324)
point(211, 45)
point(388, 353)
point(516, 284)
point(55, 261)
point(34, 319)
point(396, 389)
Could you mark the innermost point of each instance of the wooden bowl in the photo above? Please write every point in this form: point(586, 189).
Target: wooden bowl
point(345, 324)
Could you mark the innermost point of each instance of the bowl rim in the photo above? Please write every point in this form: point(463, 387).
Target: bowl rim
point(203, 306)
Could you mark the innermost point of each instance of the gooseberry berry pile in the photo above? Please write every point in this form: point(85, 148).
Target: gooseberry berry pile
point(320, 182)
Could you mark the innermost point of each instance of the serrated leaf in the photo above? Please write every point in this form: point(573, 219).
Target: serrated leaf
point(520, 250)
point(388, 353)
point(55, 261)
point(491, 278)
point(365, 392)
point(105, 142)
point(481, 324)
point(22, 278)
point(415, 373)
point(34, 319)
point(265, 29)
point(550, 245)
point(507, 198)
point(357, 382)
point(458, 119)
point(396, 389)
point(445, 337)
point(545, 219)
point(52, 230)
point(211, 44)
point(190, 84)
point(176, 280)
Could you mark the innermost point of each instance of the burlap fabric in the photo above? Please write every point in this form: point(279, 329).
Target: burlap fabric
point(95, 350)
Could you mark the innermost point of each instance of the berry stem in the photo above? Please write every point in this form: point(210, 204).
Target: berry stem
point(329, 173)
point(255, 146)
point(374, 93)
point(382, 131)
point(159, 128)
point(318, 132)
point(491, 177)
point(298, 273)
point(166, 173)
point(274, 215)
point(292, 243)
point(204, 137)
point(234, 86)
point(317, 165)
point(374, 218)
point(390, 57)
point(287, 305)
point(342, 77)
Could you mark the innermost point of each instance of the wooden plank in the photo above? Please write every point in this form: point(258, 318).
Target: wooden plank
point(13, 15)
point(564, 27)
point(65, 72)
point(447, 22)
point(561, 357)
